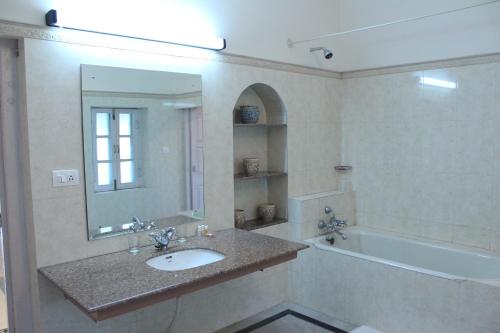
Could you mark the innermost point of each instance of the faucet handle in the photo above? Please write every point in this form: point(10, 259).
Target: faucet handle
point(155, 235)
point(170, 233)
point(151, 225)
point(341, 223)
point(160, 239)
point(321, 224)
point(328, 210)
point(137, 224)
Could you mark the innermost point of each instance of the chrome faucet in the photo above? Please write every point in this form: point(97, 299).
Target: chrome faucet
point(138, 225)
point(333, 226)
point(162, 238)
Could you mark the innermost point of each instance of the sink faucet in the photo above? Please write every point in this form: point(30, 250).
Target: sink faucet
point(333, 226)
point(138, 225)
point(162, 238)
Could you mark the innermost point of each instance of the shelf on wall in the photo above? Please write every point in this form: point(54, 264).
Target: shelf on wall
point(258, 223)
point(259, 175)
point(258, 125)
point(265, 140)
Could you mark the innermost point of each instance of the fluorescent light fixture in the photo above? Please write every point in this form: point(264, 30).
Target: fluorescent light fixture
point(127, 226)
point(54, 18)
point(104, 230)
point(181, 105)
point(438, 83)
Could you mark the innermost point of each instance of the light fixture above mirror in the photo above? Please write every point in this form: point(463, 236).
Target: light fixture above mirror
point(125, 27)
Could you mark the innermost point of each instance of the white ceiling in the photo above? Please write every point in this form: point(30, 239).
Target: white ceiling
point(260, 28)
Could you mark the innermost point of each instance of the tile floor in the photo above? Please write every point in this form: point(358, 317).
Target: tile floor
point(288, 323)
point(291, 324)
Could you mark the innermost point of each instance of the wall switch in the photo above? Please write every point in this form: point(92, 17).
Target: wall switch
point(65, 177)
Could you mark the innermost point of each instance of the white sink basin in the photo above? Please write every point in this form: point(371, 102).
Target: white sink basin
point(185, 259)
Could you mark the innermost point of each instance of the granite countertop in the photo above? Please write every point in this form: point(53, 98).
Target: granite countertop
point(104, 282)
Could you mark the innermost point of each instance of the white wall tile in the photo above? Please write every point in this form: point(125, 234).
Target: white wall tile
point(428, 156)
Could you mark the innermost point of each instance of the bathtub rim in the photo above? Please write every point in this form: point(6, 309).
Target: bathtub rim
point(316, 242)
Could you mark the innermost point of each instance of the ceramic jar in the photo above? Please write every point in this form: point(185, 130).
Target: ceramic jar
point(239, 218)
point(249, 114)
point(267, 212)
point(251, 166)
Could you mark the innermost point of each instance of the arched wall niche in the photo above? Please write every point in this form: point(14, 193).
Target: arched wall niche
point(267, 141)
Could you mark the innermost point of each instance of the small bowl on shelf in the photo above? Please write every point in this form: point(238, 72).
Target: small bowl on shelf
point(249, 114)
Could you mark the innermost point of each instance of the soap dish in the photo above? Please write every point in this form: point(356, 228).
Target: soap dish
point(343, 168)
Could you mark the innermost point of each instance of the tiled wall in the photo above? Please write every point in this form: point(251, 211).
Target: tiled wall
point(306, 211)
point(427, 159)
point(55, 141)
point(54, 123)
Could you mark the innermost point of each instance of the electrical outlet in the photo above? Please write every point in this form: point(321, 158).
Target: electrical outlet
point(65, 177)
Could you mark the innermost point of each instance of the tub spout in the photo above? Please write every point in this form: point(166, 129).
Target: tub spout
point(333, 226)
point(340, 233)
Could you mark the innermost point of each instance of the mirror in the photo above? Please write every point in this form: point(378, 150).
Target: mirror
point(143, 148)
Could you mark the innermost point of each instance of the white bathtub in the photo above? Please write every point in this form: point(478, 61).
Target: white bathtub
point(440, 259)
point(397, 284)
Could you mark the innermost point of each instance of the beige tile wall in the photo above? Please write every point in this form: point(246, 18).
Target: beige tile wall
point(55, 140)
point(306, 211)
point(427, 159)
point(54, 111)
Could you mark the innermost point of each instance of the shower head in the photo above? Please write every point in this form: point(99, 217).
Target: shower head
point(326, 52)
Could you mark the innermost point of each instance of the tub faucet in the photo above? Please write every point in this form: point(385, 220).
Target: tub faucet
point(333, 226)
point(162, 238)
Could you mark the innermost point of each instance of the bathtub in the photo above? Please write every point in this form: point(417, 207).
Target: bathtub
point(435, 258)
point(399, 284)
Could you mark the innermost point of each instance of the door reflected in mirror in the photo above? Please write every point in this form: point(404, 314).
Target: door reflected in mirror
point(143, 148)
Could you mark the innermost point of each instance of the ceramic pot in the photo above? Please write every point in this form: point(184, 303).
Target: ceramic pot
point(249, 114)
point(251, 166)
point(267, 212)
point(239, 218)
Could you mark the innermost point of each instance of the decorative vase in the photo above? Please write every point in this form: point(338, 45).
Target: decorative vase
point(239, 218)
point(251, 166)
point(267, 212)
point(249, 114)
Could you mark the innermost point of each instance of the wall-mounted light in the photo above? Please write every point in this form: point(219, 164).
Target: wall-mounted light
point(55, 19)
point(429, 81)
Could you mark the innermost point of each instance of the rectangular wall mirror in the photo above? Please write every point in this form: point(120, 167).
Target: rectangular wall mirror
point(143, 147)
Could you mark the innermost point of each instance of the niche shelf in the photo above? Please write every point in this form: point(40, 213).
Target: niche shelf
point(267, 141)
point(260, 174)
point(258, 223)
point(258, 125)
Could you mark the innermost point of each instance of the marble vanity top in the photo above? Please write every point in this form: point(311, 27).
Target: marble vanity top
point(113, 284)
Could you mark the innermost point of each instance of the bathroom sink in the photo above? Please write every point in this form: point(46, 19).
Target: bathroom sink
point(185, 259)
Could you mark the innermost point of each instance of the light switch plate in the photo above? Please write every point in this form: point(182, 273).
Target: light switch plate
point(65, 177)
